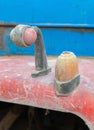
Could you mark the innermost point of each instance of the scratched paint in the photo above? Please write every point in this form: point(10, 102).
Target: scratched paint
point(17, 86)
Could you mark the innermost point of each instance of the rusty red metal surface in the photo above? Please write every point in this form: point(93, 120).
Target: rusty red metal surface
point(17, 86)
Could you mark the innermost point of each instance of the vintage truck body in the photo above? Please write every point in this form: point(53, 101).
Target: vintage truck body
point(65, 25)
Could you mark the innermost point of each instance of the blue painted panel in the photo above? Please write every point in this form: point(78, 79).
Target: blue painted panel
point(56, 41)
point(49, 11)
point(56, 13)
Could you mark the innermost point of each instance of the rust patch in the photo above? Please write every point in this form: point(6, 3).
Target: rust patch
point(2, 31)
point(4, 37)
point(79, 28)
point(7, 24)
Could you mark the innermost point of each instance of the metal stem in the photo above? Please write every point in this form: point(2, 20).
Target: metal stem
point(40, 55)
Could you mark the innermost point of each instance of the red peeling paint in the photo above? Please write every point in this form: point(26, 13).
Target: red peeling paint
point(17, 86)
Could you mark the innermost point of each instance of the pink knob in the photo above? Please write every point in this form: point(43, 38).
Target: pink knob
point(29, 36)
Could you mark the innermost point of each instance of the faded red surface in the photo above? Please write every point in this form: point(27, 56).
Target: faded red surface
point(17, 86)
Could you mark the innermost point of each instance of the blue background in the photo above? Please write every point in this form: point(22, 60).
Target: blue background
point(61, 22)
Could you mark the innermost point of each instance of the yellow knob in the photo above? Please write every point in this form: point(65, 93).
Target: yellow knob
point(66, 66)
